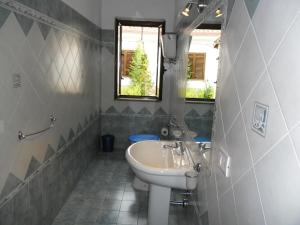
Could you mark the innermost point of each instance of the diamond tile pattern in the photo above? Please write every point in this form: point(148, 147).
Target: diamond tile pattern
point(193, 113)
point(128, 110)
point(251, 6)
point(160, 112)
point(25, 23)
point(11, 182)
point(111, 110)
point(44, 30)
point(55, 78)
point(4, 13)
point(49, 153)
point(144, 111)
point(33, 166)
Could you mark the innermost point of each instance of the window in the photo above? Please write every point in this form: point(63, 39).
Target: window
point(196, 66)
point(138, 60)
point(203, 61)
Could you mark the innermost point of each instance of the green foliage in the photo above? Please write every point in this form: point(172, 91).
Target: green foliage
point(141, 84)
point(189, 71)
point(207, 93)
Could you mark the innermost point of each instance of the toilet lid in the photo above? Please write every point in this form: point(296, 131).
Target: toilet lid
point(142, 137)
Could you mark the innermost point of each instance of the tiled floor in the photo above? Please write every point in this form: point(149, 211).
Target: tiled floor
point(104, 196)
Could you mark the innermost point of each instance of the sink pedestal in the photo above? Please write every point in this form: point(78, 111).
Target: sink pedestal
point(159, 204)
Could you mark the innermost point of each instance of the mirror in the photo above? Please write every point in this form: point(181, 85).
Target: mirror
point(197, 68)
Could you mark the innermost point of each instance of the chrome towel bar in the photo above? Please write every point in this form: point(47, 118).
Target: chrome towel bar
point(23, 136)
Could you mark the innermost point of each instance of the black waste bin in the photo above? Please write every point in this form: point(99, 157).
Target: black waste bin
point(108, 143)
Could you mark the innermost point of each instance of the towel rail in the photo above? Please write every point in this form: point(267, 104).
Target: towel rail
point(23, 136)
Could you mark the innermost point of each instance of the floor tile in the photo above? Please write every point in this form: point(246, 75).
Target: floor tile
point(98, 199)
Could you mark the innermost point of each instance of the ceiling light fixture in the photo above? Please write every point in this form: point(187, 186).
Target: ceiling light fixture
point(187, 9)
point(200, 7)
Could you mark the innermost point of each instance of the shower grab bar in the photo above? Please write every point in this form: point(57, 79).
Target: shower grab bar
point(23, 136)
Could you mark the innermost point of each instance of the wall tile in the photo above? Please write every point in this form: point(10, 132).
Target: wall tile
point(213, 204)
point(223, 183)
point(236, 28)
point(229, 103)
point(282, 69)
point(160, 112)
point(238, 149)
point(295, 137)
point(249, 210)
point(35, 199)
point(33, 166)
point(107, 35)
point(4, 13)
point(276, 127)
point(270, 27)
point(44, 30)
point(21, 206)
point(128, 110)
point(279, 184)
point(249, 65)
point(111, 110)
point(228, 214)
point(6, 214)
point(10, 184)
point(56, 77)
point(144, 111)
point(25, 22)
point(229, 9)
point(251, 6)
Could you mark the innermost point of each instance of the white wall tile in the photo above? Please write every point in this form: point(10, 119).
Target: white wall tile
point(276, 128)
point(248, 66)
point(295, 134)
point(284, 70)
point(236, 28)
point(228, 212)
point(271, 20)
point(279, 184)
point(248, 206)
point(230, 106)
point(223, 183)
point(213, 208)
point(238, 149)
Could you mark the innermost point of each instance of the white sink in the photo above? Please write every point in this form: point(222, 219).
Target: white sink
point(163, 168)
point(155, 164)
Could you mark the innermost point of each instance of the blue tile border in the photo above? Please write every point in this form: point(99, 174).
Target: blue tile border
point(251, 6)
point(52, 13)
point(4, 13)
point(24, 22)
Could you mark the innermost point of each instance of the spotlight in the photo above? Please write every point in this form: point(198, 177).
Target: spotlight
point(187, 8)
point(219, 12)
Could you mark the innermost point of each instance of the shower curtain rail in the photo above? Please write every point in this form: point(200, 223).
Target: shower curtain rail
point(23, 136)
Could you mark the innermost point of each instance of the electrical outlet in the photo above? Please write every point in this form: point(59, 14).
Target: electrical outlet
point(224, 162)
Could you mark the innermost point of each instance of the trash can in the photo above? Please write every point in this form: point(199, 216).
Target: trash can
point(108, 143)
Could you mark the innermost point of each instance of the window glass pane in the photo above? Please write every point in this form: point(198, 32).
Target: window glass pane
point(139, 56)
point(203, 64)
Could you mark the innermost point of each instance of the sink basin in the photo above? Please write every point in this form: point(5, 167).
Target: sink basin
point(163, 167)
point(154, 164)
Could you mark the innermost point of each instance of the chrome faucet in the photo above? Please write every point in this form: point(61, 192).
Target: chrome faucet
point(204, 147)
point(177, 146)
